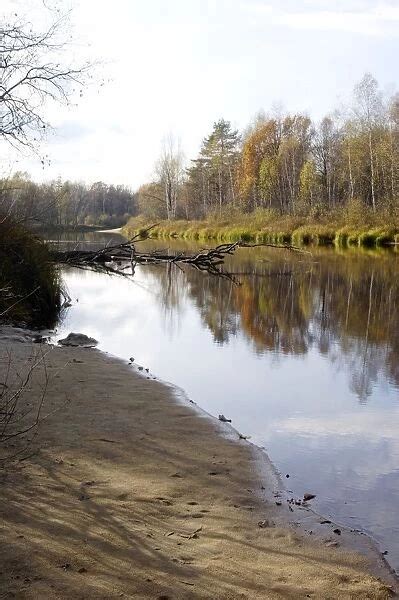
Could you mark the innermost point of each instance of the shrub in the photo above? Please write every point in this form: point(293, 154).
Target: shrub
point(29, 280)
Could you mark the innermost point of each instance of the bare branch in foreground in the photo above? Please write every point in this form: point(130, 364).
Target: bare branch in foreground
point(21, 411)
point(119, 258)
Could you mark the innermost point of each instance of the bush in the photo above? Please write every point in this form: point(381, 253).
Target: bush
point(29, 281)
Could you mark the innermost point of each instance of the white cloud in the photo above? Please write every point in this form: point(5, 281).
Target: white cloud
point(179, 66)
point(357, 18)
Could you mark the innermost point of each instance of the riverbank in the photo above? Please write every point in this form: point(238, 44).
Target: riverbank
point(44, 228)
point(127, 491)
point(269, 228)
point(30, 289)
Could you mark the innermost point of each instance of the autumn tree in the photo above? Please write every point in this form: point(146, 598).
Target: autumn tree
point(151, 201)
point(286, 163)
point(393, 126)
point(259, 165)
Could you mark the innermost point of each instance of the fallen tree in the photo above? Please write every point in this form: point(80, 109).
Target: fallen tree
point(122, 258)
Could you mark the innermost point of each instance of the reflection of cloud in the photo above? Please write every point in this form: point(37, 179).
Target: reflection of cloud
point(371, 424)
point(362, 446)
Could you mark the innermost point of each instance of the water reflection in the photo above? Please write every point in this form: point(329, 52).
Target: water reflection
point(303, 356)
point(345, 307)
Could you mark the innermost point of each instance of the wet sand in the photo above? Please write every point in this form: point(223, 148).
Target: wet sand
point(127, 491)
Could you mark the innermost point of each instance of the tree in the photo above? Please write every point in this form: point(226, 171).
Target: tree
point(284, 162)
point(151, 202)
point(213, 173)
point(294, 150)
point(259, 168)
point(368, 110)
point(307, 183)
point(268, 179)
point(170, 172)
point(326, 153)
point(393, 117)
point(33, 74)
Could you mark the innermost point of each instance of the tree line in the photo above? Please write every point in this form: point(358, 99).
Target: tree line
point(286, 163)
point(66, 203)
point(36, 72)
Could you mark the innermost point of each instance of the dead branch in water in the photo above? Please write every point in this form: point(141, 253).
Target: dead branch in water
point(120, 257)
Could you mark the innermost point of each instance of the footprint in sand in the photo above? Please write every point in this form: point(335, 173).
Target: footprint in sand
point(186, 560)
point(164, 501)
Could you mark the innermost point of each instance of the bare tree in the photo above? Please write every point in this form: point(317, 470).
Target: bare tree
point(368, 111)
point(32, 75)
point(169, 169)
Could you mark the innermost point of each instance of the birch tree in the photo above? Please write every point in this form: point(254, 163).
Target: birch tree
point(368, 110)
point(170, 172)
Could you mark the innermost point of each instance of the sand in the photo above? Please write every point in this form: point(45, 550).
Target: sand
point(127, 491)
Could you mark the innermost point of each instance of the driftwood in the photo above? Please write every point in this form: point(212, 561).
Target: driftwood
point(122, 258)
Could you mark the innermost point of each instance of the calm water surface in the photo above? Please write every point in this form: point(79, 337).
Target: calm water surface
point(303, 357)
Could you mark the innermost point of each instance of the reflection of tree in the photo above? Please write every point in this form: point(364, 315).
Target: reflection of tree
point(270, 313)
point(214, 299)
point(170, 292)
point(345, 307)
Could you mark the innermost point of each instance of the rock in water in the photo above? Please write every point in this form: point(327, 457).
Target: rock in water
point(223, 419)
point(78, 339)
point(307, 497)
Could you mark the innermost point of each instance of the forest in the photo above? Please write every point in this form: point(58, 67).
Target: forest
point(286, 164)
point(66, 203)
point(283, 168)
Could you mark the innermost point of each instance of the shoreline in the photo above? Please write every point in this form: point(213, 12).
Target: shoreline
point(292, 230)
point(247, 505)
point(355, 539)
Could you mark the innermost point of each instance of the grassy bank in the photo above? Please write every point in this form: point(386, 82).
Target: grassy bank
point(265, 226)
point(29, 283)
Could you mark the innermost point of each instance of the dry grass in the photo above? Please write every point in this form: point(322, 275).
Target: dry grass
point(354, 224)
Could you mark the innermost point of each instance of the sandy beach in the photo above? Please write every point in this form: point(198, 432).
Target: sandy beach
point(128, 491)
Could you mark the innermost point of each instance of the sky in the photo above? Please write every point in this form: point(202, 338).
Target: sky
point(176, 66)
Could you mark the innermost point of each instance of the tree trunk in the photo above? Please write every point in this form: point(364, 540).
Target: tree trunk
point(372, 170)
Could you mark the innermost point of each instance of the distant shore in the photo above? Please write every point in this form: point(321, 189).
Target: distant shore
point(129, 491)
point(284, 230)
point(44, 228)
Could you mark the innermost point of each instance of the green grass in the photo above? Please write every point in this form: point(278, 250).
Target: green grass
point(343, 229)
point(29, 281)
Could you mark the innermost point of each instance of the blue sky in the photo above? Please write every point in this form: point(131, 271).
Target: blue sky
point(177, 66)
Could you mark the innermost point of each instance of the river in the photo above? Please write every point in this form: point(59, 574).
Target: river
point(303, 356)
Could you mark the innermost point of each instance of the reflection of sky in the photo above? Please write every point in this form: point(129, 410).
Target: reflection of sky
point(301, 408)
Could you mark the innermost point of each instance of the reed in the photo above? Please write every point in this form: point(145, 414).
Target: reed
point(269, 227)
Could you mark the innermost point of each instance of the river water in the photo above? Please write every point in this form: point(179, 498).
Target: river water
point(303, 356)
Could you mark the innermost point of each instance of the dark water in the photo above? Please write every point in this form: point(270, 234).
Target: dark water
point(303, 356)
